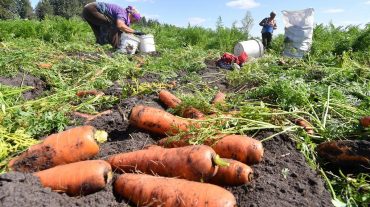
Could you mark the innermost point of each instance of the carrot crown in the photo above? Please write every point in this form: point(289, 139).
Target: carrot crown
point(220, 162)
point(101, 136)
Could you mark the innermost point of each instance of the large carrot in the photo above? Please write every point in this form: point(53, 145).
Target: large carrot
point(79, 178)
point(237, 173)
point(170, 100)
point(146, 190)
point(238, 147)
point(69, 146)
point(157, 120)
point(190, 162)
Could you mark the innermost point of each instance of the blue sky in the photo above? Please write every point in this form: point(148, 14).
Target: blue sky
point(205, 12)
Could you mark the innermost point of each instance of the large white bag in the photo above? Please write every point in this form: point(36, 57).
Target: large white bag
point(298, 32)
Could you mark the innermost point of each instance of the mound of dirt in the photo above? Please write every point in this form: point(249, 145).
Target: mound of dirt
point(282, 179)
point(21, 79)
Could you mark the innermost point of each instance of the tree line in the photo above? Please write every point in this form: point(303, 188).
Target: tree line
point(12, 9)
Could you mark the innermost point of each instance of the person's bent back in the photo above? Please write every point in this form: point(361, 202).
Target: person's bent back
point(108, 21)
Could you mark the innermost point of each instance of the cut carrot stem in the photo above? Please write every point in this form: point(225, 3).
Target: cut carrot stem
point(220, 162)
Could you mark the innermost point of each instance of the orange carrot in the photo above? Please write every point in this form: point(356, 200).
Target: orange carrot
point(79, 178)
point(45, 65)
point(190, 162)
point(242, 148)
point(306, 125)
point(365, 121)
point(88, 117)
point(192, 113)
point(146, 190)
point(157, 120)
point(69, 146)
point(170, 100)
point(350, 154)
point(89, 92)
point(219, 98)
point(237, 173)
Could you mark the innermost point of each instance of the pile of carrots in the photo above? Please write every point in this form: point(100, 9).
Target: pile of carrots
point(172, 173)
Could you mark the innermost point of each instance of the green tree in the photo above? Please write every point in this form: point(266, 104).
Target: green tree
point(43, 8)
point(24, 9)
point(219, 23)
point(247, 23)
point(8, 9)
point(68, 8)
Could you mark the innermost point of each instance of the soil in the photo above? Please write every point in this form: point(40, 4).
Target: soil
point(283, 178)
point(39, 86)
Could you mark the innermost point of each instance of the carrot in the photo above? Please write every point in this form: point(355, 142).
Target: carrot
point(242, 148)
point(306, 125)
point(352, 154)
point(157, 120)
point(45, 65)
point(146, 190)
point(170, 100)
point(192, 113)
point(365, 121)
point(69, 146)
point(88, 117)
point(89, 92)
point(79, 178)
point(190, 162)
point(237, 173)
point(219, 98)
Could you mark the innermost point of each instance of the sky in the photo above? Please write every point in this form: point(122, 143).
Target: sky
point(205, 13)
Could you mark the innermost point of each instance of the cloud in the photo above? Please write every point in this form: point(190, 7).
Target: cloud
point(196, 21)
point(332, 11)
point(243, 4)
point(367, 2)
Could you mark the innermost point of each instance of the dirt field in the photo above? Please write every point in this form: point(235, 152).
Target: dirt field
point(283, 178)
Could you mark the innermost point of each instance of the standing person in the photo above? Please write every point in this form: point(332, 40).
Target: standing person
point(108, 21)
point(268, 25)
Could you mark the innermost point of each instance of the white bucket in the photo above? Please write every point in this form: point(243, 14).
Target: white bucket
point(253, 48)
point(147, 44)
point(129, 43)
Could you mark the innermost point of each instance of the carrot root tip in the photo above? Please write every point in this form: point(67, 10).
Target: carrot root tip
point(101, 136)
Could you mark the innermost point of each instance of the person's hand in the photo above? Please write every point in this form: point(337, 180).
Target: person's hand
point(138, 33)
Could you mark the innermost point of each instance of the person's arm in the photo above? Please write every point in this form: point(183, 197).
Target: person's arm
point(123, 27)
point(263, 22)
point(275, 26)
